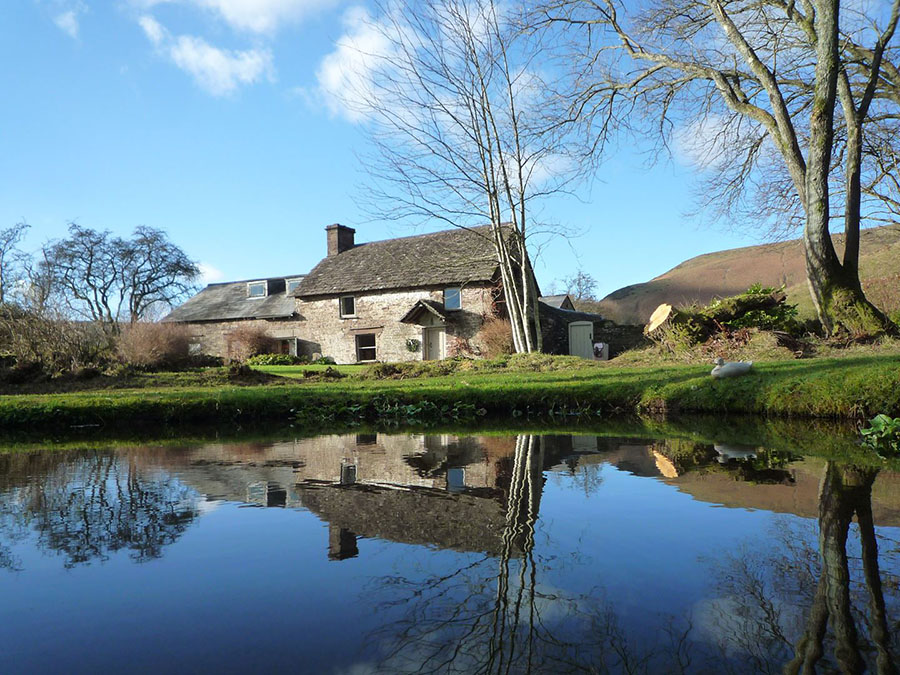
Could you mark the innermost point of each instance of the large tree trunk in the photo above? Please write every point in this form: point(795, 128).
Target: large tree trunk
point(835, 289)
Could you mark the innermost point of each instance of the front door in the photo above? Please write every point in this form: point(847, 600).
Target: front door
point(433, 347)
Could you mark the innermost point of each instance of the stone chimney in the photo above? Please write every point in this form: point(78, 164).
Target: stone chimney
point(340, 239)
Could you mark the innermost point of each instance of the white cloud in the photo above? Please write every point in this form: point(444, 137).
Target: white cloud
point(344, 76)
point(209, 274)
point(68, 16)
point(67, 22)
point(255, 16)
point(218, 71)
point(152, 29)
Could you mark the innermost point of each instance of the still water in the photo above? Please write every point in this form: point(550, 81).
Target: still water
point(447, 554)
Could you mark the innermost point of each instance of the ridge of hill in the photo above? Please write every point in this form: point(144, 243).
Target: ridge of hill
point(730, 272)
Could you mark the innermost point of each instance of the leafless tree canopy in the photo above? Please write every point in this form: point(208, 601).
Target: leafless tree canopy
point(11, 258)
point(790, 107)
point(465, 130)
point(109, 279)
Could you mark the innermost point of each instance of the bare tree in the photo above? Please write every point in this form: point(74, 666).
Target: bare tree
point(10, 257)
point(457, 108)
point(751, 87)
point(582, 286)
point(109, 279)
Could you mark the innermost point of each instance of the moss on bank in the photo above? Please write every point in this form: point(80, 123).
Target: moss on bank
point(848, 388)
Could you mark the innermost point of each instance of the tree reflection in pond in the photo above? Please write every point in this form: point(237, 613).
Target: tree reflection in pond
point(790, 606)
point(87, 507)
point(495, 615)
point(794, 603)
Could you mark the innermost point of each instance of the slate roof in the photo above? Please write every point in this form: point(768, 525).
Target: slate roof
point(556, 300)
point(220, 302)
point(450, 257)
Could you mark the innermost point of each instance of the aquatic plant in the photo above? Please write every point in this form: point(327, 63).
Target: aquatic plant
point(882, 435)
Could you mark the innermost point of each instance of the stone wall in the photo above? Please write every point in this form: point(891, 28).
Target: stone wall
point(212, 336)
point(380, 312)
point(320, 330)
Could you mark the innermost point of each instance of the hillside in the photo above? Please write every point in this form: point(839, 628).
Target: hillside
point(730, 272)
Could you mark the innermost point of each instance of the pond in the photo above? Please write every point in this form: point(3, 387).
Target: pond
point(450, 553)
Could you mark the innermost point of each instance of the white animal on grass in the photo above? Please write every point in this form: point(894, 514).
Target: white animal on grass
point(730, 368)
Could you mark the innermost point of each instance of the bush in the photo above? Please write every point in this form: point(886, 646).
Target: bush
point(152, 346)
point(323, 361)
point(246, 341)
point(52, 345)
point(277, 360)
point(496, 338)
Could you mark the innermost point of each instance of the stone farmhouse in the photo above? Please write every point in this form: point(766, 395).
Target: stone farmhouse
point(406, 299)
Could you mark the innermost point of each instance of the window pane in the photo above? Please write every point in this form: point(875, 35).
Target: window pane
point(257, 290)
point(348, 306)
point(452, 299)
point(292, 285)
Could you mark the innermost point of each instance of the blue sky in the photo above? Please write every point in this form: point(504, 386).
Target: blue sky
point(207, 118)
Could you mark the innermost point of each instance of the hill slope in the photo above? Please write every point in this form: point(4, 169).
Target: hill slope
point(730, 272)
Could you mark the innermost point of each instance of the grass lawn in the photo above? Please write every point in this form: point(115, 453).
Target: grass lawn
point(516, 387)
point(298, 372)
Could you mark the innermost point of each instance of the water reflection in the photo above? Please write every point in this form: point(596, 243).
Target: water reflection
point(88, 507)
point(484, 579)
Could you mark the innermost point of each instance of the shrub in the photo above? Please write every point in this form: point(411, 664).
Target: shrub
point(496, 337)
point(323, 361)
point(151, 346)
point(277, 360)
point(52, 345)
point(246, 341)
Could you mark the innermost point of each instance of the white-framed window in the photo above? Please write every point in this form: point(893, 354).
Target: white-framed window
point(452, 298)
point(292, 285)
point(348, 306)
point(257, 289)
point(365, 347)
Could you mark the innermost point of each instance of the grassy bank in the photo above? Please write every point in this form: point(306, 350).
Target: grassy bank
point(521, 387)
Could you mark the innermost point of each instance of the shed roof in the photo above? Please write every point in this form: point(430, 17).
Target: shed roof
point(558, 301)
point(456, 256)
point(224, 301)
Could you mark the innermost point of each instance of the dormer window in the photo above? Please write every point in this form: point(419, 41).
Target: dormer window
point(452, 298)
point(292, 285)
point(257, 289)
point(348, 306)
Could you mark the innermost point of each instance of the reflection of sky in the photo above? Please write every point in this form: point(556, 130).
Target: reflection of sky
point(644, 538)
point(245, 589)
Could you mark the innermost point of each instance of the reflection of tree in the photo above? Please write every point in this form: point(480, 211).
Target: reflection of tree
point(768, 589)
point(495, 615)
point(845, 491)
point(88, 507)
